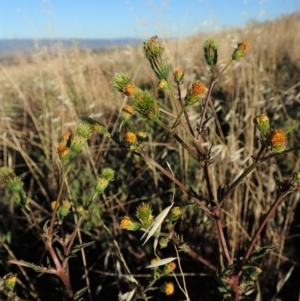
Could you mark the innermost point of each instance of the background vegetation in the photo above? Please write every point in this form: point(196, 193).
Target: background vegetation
point(45, 94)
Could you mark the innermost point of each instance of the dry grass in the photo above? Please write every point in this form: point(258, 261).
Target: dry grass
point(43, 96)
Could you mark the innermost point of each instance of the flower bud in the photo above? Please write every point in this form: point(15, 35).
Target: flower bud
point(170, 267)
point(178, 75)
point(64, 209)
point(145, 104)
point(130, 89)
point(63, 151)
point(195, 93)
point(82, 211)
point(153, 52)
point(10, 281)
point(144, 214)
point(262, 123)
point(241, 50)
point(120, 81)
point(210, 49)
point(126, 112)
point(107, 175)
point(163, 85)
point(163, 242)
point(128, 224)
point(175, 213)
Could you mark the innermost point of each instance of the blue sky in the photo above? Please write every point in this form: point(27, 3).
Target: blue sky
point(130, 18)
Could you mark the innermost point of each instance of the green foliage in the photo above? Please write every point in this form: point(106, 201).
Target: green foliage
point(70, 198)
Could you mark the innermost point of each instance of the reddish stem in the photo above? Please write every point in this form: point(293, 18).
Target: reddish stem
point(59, 270)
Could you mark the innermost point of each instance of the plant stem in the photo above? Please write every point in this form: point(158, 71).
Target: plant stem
point(216, 216)
point(186, 115)
point(50, 230)
point(213, 81)
point(176, 181)
point(262, 225)
point(60, 272)
point(248, 171)
point(183, 144)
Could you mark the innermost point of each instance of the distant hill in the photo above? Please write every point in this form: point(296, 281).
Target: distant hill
point(12, 47)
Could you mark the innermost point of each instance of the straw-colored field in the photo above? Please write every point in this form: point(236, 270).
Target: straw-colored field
point(44, 95)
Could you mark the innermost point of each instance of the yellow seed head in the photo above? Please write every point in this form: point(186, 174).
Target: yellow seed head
point(154, 260)
point(63, 151)
point(10, 281)
point(130, 89)
point(80, 210)
point(171, 266)
point(198, 88)
point(65, 208)
point(178, 75)
point(163, 84)
point(128, 109)
point(66, 136)
point(241, 50)
point(258, 270)
point(244, 46)
point(142, 134)
point(277, 140)
point(195, 93)
point(53, 204)
point(128, 224)
point(168, 288)
point(175, 213)
point(126, 113)
point(130, 137)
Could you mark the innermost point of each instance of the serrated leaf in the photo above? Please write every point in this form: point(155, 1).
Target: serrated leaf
point(261, 252)
point(158, 221)
point(161, 262)
point(79, 247)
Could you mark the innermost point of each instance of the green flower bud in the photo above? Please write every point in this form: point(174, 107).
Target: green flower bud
point(144, 214)
point(128, 224)
point(175, 213)
point(64, 208)
point(10, 281)
point(163, 242)
point(178, 75)
point(241, 50)
point(145, 104)
point(210, 49)
point(262, 123)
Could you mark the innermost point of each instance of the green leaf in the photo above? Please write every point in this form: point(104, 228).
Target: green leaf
point(45, 227)
point(59, 254)
point(31, 265)
point(261, 252)
point(79, 293)
point(79, 247)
